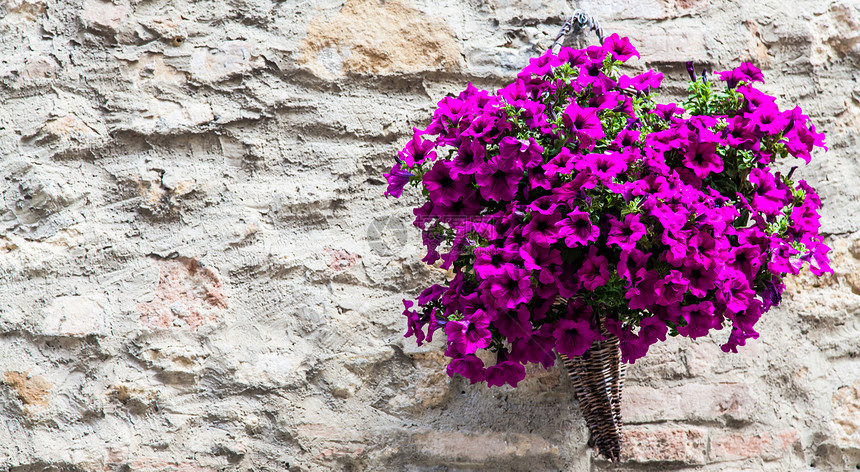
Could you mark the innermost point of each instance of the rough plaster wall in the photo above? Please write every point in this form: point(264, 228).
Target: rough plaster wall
point(192, 279)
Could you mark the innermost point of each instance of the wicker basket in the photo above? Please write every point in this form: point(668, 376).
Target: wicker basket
point(597, 378)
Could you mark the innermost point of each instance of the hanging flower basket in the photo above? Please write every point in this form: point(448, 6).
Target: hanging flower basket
point(581, 217)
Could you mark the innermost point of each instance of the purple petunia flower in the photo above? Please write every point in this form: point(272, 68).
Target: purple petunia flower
point(604, 166)
point(397, 179)
point(733, 291)
point(619, 47)
point(481, 126)
point(767, 119)
point(510, 287)
point(768, 197)
point(540, 65)
point(469, 334)
point(469, 158)
point(490, 260)
point(591, 73)
point(519, 155)
point(577, 229)
point(671, 288)
point(543, 259)
point(537, 347)
point(444, 187)
point(625, 234)
point(541, 229)
point(701, 157)
point(642, 82)
point(505, 372)
point(514, 324)
point(417, 150)
point(413, 322)
point(497, 184)
point(595, 270)
point(584, 124)
point(700, 318)
point(470, 367)
point(574, 337)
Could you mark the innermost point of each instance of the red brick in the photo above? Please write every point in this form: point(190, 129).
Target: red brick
point(736, 446)
point(671, 444)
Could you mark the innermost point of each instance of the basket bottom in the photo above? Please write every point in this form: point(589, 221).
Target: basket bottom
point(597, 378)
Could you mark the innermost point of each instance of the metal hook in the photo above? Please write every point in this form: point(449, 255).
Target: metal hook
point(577, 22)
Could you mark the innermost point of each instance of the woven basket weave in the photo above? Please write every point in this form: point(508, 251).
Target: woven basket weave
point(597, 378)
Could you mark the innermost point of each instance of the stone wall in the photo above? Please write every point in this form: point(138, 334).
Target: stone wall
point(199, 271)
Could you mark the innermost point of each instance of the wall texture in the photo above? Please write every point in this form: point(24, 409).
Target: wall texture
point(198, 271)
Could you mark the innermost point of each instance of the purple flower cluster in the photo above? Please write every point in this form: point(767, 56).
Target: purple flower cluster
point(570, 199)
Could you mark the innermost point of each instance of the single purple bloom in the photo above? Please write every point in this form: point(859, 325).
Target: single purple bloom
point(574, 57)
point(513, 324)
point(755, 98)
point(516, 154)
point(733, 291)
point(507, 372)
point(584, 124)
point(625, 234)
point(747, 259)
point(768, 197)
point(647, 80)
point(541, 229)
point(575, 189)
point(631, 265)
point(417, 150)
point(511, 286)
point(469, 334)
point(642, 294)
point(701, 157)
point(414, 322)
point(489, 261)
point(562, 163)
point(594, 271)
point(701, 280)
point(667, 112)
point(577, 229)
point(481, 126)
point(700, 320)
point(671, 288)
point(469, 158)
point(767, 119)
point(626, 139)
point(737, 338)
point(431, 293)
point(542, 259)
point(592, 74)
point(632, 346)
point(574, 337)
point(497, 184)
point(444, 188)
point(397, 179)
point(652, 329)
point(470, 367)
point(620, 48)
point(538, 347)
point(604, 166)
point(540, 65)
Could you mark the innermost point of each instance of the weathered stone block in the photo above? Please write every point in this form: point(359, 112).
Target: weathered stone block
point(76, 316)
point(694, 401)
point(665, 444)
